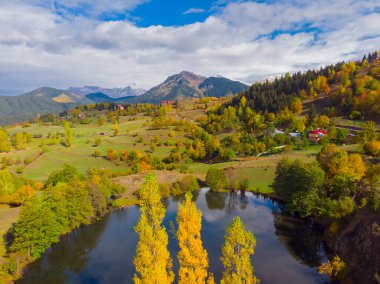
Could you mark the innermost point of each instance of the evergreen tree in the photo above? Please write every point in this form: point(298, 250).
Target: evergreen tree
point(236, 252)
point(192, 256)
point(152, 261)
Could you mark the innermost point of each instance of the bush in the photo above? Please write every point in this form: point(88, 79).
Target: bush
point(372, 148)
point(187, 184)
point(98, 141)
point(216, 179)
point(164, 189)
point(355, 115)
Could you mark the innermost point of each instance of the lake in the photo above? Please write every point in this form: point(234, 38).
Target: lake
point(288, 249)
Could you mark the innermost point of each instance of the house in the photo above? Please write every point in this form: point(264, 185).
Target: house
point(120, 107)
point(276, 131)
point(294, 134)
point(316, 135)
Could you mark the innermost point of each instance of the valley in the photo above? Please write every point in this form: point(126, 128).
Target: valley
point(305, 153)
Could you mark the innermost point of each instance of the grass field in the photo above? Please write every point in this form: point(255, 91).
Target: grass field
point(80, 154)
point(135, 134)
point(8, 216)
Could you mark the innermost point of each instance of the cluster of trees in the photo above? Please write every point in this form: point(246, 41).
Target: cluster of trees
point(153, 262)
point(67, 201)
point(222, 179)
point(186, 184)
point(357, 94)
point(331, 188)
point(17, 140)
point(15, 190)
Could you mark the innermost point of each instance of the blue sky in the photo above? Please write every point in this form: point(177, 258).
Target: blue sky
point(172, 12)
point(63, 43)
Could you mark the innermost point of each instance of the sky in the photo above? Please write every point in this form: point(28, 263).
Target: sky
point(116, 43)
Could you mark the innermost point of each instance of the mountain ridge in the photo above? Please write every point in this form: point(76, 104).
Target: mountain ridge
point(183, 85)
point(186, 85)
point(115, 93)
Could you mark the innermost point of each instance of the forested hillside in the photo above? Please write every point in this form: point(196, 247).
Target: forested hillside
point(39, 101)
point(352, 89)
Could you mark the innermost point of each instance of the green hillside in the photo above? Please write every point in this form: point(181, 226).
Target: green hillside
point(39, 101)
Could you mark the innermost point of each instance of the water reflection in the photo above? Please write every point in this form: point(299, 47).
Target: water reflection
point(287, 249)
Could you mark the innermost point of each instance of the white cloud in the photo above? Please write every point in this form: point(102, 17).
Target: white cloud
point(194, 11)
point(244, 41)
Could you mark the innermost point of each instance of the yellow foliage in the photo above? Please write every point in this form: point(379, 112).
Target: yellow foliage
point(192, 256)
point(144, 166)
point(39, 185)
point(236, 252)
point(152, 261)
point(296, 106)
point(334, 269)
point(22, 195)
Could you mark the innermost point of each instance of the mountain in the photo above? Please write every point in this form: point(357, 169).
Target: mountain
point(269, 79)
point(99, 97)
point(189, 85)
point(115, 93)
point(39, 101)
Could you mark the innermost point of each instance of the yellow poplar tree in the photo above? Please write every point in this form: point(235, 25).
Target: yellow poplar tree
point(68, 135)
point(238, 247)
point(192, 257)
point(116, 129)
point(152, 261)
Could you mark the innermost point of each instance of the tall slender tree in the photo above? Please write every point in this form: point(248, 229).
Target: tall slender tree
point(152, 261)
point(193, 259)
point(236, 252)
point(68, 135)
point(116, 129)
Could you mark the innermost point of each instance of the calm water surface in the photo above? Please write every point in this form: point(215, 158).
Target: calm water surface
point(287, 251)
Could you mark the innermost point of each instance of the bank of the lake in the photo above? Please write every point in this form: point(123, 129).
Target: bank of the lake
point(288, 249)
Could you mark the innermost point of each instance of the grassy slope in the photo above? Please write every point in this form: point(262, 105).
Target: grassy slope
point(8, 216)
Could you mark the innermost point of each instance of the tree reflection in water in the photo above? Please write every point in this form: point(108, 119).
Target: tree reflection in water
point(303, 240)
point(71, 254)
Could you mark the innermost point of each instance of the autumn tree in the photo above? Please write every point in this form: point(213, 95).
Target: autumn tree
point(7, 185)
point(101, 121)
point(152, 261)
point(323, 121)
point(116, 129)
point(5, 145)
point(336, 269)
point(296, 105)
point(368, 132)
point(238, 247)
point(192, 256)
point(68, 135)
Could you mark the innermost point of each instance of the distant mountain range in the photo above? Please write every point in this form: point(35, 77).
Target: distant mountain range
point(176, 87)
point(189, 85)
point(115, 93)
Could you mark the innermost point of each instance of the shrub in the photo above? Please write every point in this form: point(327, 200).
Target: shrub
point(372, 148)
point(98, 141)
